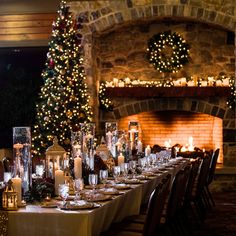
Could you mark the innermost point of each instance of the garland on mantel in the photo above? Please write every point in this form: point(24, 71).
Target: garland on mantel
point(210, 81)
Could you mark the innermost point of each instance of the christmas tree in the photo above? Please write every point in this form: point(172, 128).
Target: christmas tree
point(63, 101)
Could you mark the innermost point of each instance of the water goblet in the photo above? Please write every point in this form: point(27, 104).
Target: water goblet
point(116, 172)
point(103, 175)
point(93, 181)
point(63, 190)
point(78, 186)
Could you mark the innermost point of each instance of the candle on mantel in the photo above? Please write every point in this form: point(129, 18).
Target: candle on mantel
point(59, 179)
point(120, 159)
point(78, 167)
point(147, 151)
point(16, 183)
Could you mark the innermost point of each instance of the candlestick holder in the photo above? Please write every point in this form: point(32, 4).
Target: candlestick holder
point(22, 156)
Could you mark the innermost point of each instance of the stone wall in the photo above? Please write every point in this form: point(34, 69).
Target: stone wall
point(122, 53)
point(115, 37)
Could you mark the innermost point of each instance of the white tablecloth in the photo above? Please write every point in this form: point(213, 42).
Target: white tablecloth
point(36, 221)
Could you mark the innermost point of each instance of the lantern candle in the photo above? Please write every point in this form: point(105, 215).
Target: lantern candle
point(17, 186)
point(78, 167)
point(59, 179)
point(121, 159)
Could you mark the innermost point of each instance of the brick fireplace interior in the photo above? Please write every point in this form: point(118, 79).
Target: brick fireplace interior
point(156, 127)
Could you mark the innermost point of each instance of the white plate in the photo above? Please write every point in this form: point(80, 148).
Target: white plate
point(122, 186)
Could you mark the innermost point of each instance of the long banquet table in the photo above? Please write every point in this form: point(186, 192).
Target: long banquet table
point(38, 221)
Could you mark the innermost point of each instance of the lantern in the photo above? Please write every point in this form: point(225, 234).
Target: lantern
point(9, 198)
point(55, 158)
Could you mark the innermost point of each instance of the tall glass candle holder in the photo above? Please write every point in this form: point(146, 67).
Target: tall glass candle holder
point(111, 131)
point(88, 145)
point(133, 134)
point(22, 156)
point(76, 143)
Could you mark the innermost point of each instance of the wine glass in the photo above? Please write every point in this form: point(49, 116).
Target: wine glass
point(93, 181)
point(63, 190)
point(78, 186)
point(116, 172)
point(124, 168)
point(103, 174)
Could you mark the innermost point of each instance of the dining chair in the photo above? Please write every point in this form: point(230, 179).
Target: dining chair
point(191, 185)
point(198, 198)
point(152, 222)
point(211, 175)
point(173, 215)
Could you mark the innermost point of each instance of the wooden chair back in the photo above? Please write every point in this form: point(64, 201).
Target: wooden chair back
point(212, 168)
point(175, 201)
point(155, 207)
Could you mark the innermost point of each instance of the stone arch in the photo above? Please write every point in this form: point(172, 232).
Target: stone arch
point(180, 104)
point(107, 15)
point(102, 16)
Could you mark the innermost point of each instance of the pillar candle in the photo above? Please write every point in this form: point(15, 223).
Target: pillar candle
point(78, 167)
point(147, 151)
point(121, 159)
point(17, 186)
point(140, 146)
point(59, 179)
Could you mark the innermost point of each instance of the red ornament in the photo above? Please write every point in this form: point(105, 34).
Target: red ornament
point(51, 63)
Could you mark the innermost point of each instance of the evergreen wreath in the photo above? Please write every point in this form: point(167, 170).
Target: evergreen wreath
point(168, 52)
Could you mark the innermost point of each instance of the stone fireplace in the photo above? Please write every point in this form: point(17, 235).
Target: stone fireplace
point(116, 35)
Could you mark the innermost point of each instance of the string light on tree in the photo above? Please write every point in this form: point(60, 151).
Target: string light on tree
point(63, 100)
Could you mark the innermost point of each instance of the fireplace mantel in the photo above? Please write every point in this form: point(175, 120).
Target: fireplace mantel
point(140, 92)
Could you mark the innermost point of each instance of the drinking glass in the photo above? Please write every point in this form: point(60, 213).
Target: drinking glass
point(116, 172)
point(132, 167)
point(93, 181)
point(124, 168)
point(103, 174)
point(63, 190)
point(78, 186)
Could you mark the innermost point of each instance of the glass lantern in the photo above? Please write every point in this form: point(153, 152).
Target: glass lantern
point(9, 198)
point(55, 158)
